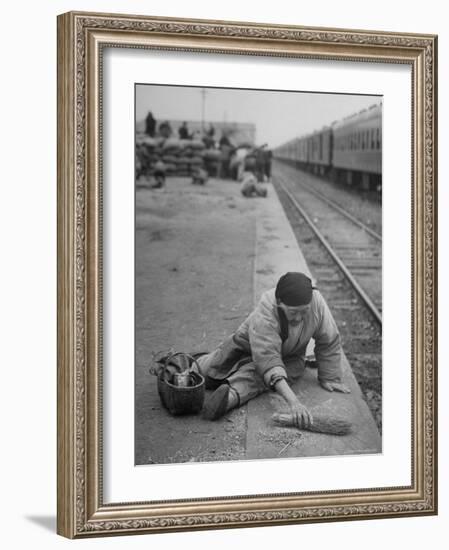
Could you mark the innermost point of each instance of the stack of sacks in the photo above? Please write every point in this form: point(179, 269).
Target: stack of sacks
point(180, 156)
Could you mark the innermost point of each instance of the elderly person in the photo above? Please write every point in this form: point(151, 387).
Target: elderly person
point(267, 352)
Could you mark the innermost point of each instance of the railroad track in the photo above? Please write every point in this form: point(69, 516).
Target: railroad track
point(329, 238)
point(353, 246)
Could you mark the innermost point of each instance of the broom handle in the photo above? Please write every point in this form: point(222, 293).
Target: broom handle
point(320, 424)
point(285, 419)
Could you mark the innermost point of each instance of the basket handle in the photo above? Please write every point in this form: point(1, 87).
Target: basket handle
point(162, 367)
point(170, 357)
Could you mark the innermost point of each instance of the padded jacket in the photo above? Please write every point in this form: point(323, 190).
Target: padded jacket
point(261, 336)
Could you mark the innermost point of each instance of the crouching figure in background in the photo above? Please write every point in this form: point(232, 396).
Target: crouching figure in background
point(199, 176)
point(250, 187)
point(160, 170)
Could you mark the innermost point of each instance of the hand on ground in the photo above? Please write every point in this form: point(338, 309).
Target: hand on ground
point(335, 386)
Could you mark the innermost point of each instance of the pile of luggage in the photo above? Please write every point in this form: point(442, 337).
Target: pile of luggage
point(181, 157)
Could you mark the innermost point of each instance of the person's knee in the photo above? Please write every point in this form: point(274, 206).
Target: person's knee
point(246, 394)
point(233, 398)
point(203, 363)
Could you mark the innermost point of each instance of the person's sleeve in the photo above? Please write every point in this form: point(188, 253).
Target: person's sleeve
point(266, 350)
point(327, 346)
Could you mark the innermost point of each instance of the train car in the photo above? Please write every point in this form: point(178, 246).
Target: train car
point(349, 151)
point(288, 151)
point(302, 148)
point(319, 151)
point(312, 152)
point(357, 149)
point(295, 152)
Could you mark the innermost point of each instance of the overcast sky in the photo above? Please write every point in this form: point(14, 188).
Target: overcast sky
point(278, 116)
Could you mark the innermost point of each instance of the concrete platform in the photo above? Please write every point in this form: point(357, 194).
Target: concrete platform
point(195, 250)
point(277, 251)
point(204, 255)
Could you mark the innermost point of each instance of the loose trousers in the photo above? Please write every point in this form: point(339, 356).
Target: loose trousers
point(246, 381)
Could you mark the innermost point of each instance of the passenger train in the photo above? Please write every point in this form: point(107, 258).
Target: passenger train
point(348, 151)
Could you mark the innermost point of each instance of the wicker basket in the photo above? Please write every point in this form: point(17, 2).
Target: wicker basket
point(182, 400)
point(179, 400)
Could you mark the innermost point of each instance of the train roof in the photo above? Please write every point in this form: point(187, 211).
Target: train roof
point(304, 136)
point(374, 111)
point(321, 130)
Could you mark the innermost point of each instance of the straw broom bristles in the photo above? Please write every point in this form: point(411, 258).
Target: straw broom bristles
point(321, 423)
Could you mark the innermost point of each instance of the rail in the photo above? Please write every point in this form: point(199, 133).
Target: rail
point(353, 282)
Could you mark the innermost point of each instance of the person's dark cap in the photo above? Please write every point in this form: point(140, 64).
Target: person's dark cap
point(294, 289)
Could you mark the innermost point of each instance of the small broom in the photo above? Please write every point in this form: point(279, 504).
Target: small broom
point(321, 423)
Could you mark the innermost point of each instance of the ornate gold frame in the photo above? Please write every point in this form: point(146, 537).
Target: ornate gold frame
point(81, 37)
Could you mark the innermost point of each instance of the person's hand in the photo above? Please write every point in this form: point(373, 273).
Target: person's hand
point(301, 415)
point(335, 386)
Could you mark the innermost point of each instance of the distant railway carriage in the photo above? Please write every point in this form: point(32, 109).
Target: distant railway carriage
point(320, 150)
point(349, 151)
point(302, 148)
point(358, 148)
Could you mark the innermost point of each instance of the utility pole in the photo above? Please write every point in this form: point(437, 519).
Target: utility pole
point(203, 107)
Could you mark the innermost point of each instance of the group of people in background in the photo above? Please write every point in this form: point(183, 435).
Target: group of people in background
point(251, 166)
point(165, 130)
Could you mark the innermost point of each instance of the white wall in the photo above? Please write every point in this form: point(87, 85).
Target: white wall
point(28, 270)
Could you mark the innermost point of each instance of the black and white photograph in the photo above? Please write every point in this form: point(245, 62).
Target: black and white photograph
point(222, 317)
point(258, 274)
